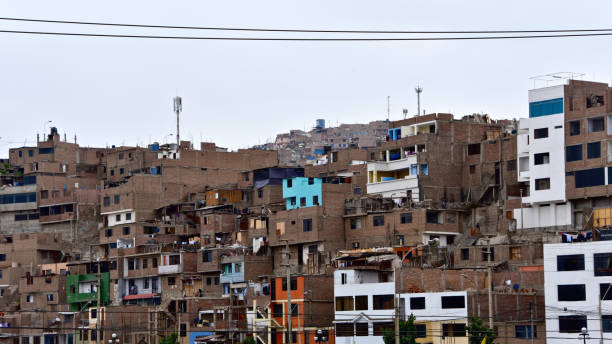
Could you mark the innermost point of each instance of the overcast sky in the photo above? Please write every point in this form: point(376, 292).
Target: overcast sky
point(119, 91)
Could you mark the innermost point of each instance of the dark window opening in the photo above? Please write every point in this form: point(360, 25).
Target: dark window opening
point(474, 149)
point(379, 221)
point(573, 153)
point(542, 184)
point(417, 303)
point(541, 158)
point(453, 302)
point(571, 292)
point(540, 133)
point(572, 323)
point(602, 264)
point(593, 150)
point(574, 128)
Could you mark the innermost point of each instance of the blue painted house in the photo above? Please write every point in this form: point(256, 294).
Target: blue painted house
point(301, 192)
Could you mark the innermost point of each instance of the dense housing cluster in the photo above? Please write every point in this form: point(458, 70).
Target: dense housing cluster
point(306, 240)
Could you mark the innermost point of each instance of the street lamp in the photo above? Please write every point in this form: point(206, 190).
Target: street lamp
point(114, 339)
point(584, 333)
point(321, 336)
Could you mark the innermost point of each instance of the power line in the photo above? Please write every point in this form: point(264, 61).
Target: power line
point(218, 28)
point(295, 39)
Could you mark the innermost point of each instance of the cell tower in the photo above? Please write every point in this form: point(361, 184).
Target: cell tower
point(418, 91)
point(178, 107)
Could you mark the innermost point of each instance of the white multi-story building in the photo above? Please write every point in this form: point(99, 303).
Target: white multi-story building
point(541, 161)
point(365, 305)
point(439, 316)
point(576, 277)
point(397, 175)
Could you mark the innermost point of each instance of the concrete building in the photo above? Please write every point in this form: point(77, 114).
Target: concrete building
point(541, 162)
point(577, 280)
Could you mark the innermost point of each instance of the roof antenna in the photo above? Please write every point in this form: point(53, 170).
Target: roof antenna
point(418, 91)
point(388, 107)
point(178, 107)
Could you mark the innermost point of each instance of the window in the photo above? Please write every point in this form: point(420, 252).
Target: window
point(406, 218)
point(126, 230)
point(238, 267)
point(541, 158)
point(595, 124)
point(361, 302)
point(424, 169)
point(453, 330)
point(570, 262)
point(355, 223)
point(344, 303)
point(421, 331)
point(154, 261)
point(29, 298)
point(593, 150)
point(289, 183)
point(112, 172)
point(540, 133)
point(20, 153)
point(417, 303)
point(118, 218)
point(605, 291)
point(109, 232)
point(572, 323)
point(128, 216)
point(292, 201)
point(295, 309)
point(472, 169)
point(310, 181)
point(602, 264)
point(382, 326)
point(121, 170)
point(174, 259)
point(465, 254)
point(49, 297)
point(344, 330)
point(307, 225)
point(515, 253)
point(357, 190)
point(433, 216)
point(542, 184)
point(48, 150)
point(361, 329)
point(106, 200)
point(315, 200)
point(302, 201)
point(216, 280)
point(260, 193)
point(606, 321)
point(206, 256)
point(132, 264)
point(573, 153)
point(511, 165)
point(485, 255)
point(379, 221)
point(524, 331)
point(590, 177)
point(574, 128)
point(474, 149)
point(117, 199)
point(2, 257)
point(277, 310)
point(171, 280)
point(571, 292)
point(453, 302)
point(383, 301)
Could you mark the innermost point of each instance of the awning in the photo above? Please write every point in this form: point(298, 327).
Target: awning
point(140, 296)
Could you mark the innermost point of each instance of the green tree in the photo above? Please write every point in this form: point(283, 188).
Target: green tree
point(477, 331)
point(248, 340)
point(408, 332)
point(169, 339)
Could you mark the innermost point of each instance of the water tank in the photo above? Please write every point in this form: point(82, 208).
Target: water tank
point(320, 124)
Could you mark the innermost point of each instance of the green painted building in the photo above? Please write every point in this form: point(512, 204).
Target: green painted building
point(81, 289)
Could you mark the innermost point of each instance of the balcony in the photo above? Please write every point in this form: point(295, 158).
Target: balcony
point(394, 165)
point(396, 187)
point(169, 269)
point(56, 218)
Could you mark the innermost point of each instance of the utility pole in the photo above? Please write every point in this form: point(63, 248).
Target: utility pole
point(287, 264)
point(178, 107)
point(490, 283)
point(531, 320)
point(98, 304)
point(601, 337)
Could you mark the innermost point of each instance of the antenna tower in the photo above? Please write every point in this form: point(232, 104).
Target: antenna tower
point(178, 107)
point(418, 91)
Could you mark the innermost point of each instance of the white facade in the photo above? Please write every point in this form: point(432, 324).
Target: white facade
point(433, 309)
point(541, 163)
point(397, 187)
point(556, 273)
point(351, 283)
point(120, 217)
